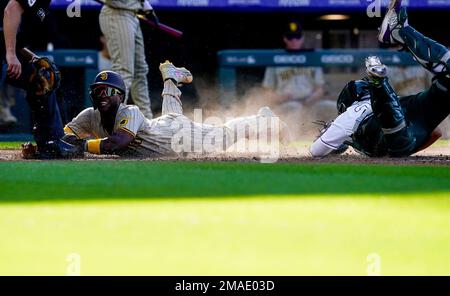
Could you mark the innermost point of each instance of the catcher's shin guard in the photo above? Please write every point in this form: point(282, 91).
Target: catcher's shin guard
point(387, 110)
point(430, 54)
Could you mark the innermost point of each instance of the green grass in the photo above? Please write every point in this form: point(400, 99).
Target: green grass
point(168, 218)
point(10, 145)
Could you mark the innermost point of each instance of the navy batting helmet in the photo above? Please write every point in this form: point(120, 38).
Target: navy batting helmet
point(110, 78)
point(355, 90)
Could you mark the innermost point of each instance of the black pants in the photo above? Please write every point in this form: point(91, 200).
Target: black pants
point(426, 110)
point(46, 116)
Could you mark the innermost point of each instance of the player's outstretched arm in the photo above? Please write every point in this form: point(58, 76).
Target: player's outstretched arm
point(333, 136)
point(11, 22)
point(330, 141)
point(119, 140)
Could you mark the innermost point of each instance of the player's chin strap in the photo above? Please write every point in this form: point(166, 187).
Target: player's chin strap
point(430, 54)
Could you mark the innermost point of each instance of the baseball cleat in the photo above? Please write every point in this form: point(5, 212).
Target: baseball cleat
point(395, 19)
point(284, 136)
point(180, 75)
point(266, 112)
point(374, 68)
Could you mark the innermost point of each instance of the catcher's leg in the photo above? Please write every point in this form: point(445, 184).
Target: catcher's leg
point(428, 108)
point(172, 77)
point(430, 54)
point(388, 111)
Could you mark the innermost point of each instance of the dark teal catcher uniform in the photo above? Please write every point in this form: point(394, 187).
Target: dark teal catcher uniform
point(423, 112)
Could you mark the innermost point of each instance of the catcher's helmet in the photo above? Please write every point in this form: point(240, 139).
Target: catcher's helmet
point(354, 91)
point(110, 78)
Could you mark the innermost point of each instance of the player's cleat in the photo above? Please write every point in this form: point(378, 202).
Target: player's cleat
point(394, 20)
point(375, 69)
point(284, 137)
point(180, 75)
point(266, 112)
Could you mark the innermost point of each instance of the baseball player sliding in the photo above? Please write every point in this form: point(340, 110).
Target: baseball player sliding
point(373, 119)
point(111, 127)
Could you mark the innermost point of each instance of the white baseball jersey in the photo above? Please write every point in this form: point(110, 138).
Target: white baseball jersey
point(342, 128)
point(296, 82)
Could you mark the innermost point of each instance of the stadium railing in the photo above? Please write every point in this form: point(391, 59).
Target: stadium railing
point(231, 60)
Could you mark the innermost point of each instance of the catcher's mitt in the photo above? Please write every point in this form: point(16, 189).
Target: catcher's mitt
point(324, 126)
point(45, 77)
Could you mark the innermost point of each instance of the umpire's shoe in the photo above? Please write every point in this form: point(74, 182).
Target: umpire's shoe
point(59, 149)
point(178, 75)
point(395, 19)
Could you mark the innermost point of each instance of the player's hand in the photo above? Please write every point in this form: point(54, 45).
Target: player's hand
point(147, 9)
point(14, 66)
point(147, 6)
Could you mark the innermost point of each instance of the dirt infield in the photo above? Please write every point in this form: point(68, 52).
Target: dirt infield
point(439, 155)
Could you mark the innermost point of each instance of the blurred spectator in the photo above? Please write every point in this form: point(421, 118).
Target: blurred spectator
point(7, 100)
point(104, 59)
point(409, 80)
point(298, 91)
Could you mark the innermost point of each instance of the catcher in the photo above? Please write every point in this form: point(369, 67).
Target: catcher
point(373, 119)
point(111, 127)
point(39, 77)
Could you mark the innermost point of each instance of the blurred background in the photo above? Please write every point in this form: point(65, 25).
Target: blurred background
point(213, 26)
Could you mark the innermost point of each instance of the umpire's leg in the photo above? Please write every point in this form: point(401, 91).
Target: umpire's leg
point(47, 123)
